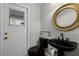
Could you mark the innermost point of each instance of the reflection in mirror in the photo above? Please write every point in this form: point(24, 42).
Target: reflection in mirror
point(66, 17)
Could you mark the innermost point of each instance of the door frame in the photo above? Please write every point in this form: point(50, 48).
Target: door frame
point(1, 23)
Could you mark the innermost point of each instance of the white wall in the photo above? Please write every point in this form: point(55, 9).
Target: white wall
point(33, 23)
point(47, 11)
point(0, 30)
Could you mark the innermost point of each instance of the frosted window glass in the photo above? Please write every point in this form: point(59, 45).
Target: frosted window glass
point(16, 17)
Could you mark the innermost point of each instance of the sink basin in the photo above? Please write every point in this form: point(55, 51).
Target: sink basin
point(63, 44)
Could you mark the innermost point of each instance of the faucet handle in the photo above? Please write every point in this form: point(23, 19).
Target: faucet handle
point(67, 39)
point(58, 38)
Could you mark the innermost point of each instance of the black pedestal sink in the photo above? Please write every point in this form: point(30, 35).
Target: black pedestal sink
point(62, 45)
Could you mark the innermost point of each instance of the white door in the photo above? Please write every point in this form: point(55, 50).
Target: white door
point(14, 34)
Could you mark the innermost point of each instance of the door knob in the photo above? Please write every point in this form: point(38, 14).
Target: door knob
point(5, 33)
point(5, 38)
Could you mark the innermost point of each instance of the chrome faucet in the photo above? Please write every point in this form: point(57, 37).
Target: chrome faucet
point(62, 35)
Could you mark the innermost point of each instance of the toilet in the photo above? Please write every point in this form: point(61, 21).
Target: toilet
point(39, 49)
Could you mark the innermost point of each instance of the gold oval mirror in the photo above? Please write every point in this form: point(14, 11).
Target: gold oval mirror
point(66, 17)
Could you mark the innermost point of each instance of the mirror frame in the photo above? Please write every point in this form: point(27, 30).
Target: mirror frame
point(74, 6)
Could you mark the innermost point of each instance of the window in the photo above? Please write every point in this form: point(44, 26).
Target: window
point(16, 17)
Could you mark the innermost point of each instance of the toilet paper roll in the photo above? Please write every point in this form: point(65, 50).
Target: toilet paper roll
point(52, 52)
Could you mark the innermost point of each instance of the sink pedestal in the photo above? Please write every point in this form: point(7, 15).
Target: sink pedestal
point(61, 52)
